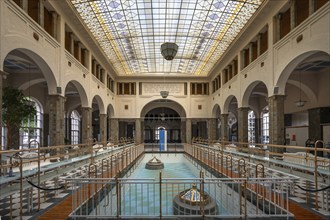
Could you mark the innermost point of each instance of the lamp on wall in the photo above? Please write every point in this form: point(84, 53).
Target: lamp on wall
point(300, 103)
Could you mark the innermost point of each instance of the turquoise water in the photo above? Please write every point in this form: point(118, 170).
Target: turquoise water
point(144, 199)
point(140, 191)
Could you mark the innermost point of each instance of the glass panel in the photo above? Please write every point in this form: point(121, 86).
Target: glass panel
point(131, 32)
point(75, 127)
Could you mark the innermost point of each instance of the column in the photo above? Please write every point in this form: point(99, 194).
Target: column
point(292, 14)
point(79, 51)
point(233, 68)
point(94, 69)
point(86, 127)
point(24, 5)
point(56, 121)
point(242, 114)
point(87, 60)
point(54, 20)
point(258, 44)
point(45, 130)
point(2, 75)
point(67, 125)
point(188, 130)
point(276, 121)
point(242, 59)
point(212, 128)
point(250, 52)
point(103, 128)
point(316, 117)
point(278, 29)
point(183, 132)
point(311, 7)
point(114, 128)
point(138, 131)
point(257, 130)
point(41, 12)
point(224, 127)
point(72, 43)
point(108, 128)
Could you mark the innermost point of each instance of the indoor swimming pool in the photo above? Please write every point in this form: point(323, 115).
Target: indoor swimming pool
point(149, 193)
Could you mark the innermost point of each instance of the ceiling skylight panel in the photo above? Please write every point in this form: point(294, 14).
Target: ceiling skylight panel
point(197, 27)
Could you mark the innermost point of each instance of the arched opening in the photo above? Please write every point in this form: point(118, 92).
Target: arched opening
point(28, 72)
point(307, 101)
point(162, 118)
point(265, 125)
point(75, 135)
point(256, 98)
point(251, 127)
point(75, 97)
point(164, 113)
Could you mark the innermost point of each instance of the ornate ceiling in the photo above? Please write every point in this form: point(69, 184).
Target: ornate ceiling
point(131, 32)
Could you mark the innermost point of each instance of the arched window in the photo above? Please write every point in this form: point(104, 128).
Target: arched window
point(75, 127)
point(265, 125)
point(251, 127)
point(157, 132)
point(30, 131)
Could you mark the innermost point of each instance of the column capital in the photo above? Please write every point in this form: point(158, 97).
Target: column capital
point(274, 97)
point(87, 108)
point(243, 108)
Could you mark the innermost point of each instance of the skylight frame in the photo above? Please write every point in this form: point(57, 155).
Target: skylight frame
point(130, 32)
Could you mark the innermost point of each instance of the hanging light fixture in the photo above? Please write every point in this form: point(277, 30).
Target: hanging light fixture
point(169, 50)
point(300, 103)
point(164, 93)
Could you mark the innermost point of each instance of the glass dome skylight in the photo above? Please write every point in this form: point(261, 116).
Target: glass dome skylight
point(131, 32)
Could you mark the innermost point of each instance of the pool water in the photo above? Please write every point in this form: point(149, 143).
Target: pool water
point(140, 189)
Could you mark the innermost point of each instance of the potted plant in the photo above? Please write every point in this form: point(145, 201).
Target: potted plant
point(16, 110)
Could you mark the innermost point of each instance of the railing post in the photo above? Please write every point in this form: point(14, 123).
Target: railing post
point(202, 194)
point(118, 196)
point(160, 194)
point(315, 173)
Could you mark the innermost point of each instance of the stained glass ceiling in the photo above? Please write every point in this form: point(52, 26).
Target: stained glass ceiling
point(131, 32)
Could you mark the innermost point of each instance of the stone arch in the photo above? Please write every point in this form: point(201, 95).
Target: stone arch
point(110, 111)
point(306, 89)
point(163, 103)
point(99, 103)
point(216, 111)
point(33, 58)
point(288, 69)
point(81, 91)
point(248, 91)
point(227, 103)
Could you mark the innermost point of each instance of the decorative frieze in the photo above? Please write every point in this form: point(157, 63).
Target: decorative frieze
point(155, 88)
